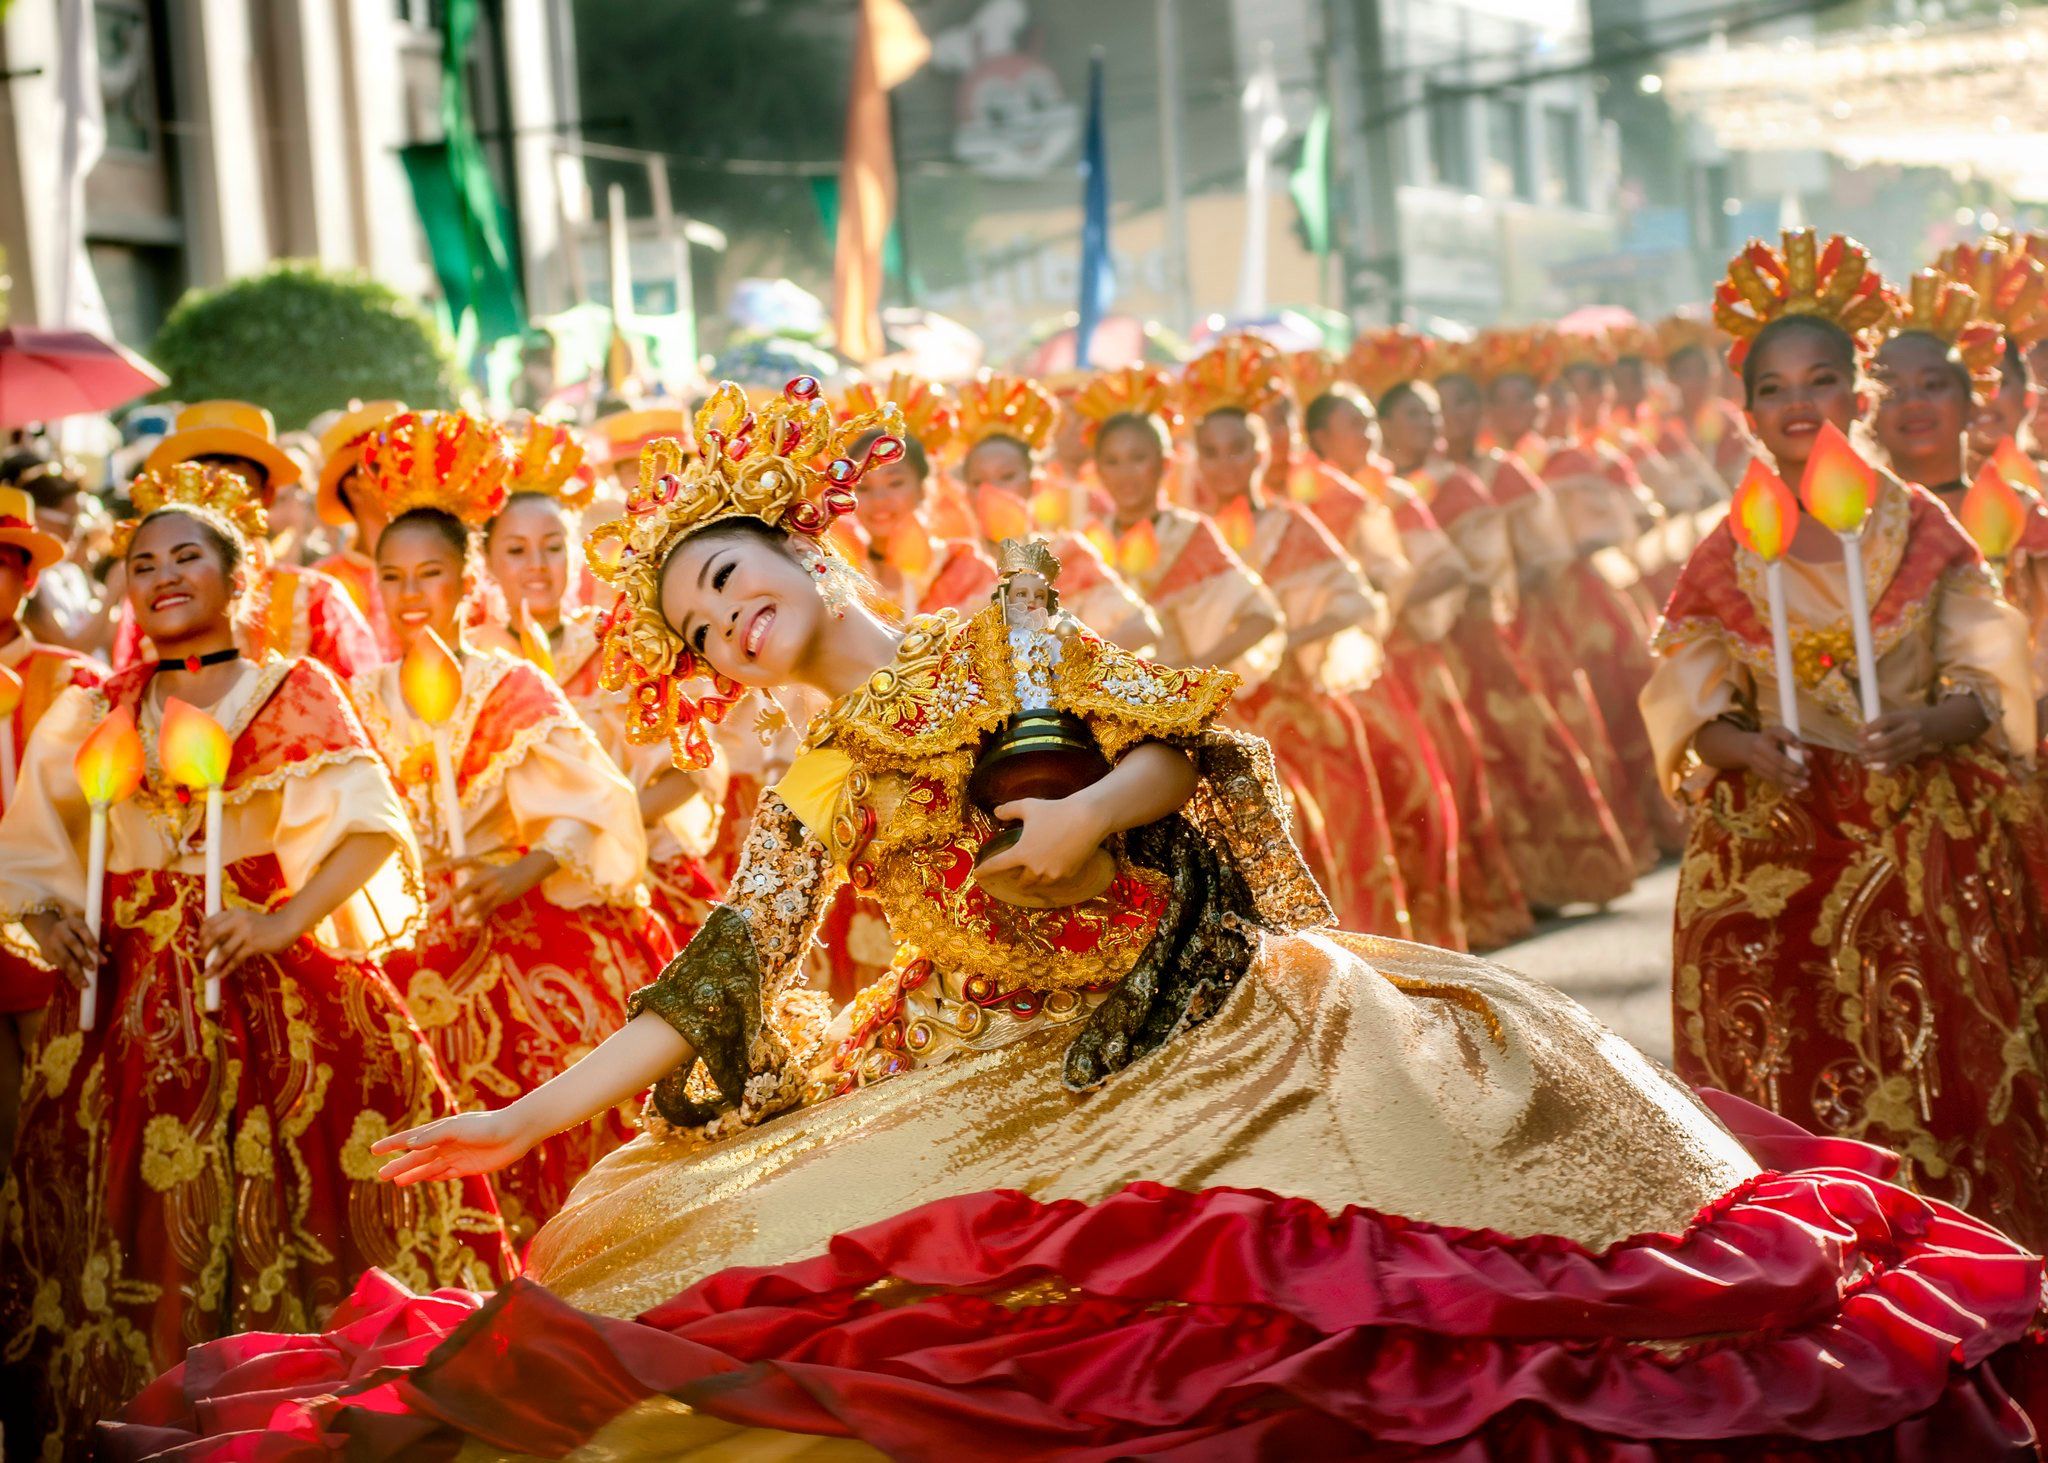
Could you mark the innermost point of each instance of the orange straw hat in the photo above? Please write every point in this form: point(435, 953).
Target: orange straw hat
point(227, 429)
point(18, 530)
point(1832, 282)
point(621, 436)
point(341, 452)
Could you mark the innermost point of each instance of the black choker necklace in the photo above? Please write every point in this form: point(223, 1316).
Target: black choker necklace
point(191, 663)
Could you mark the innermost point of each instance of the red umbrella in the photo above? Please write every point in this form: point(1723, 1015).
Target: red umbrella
point(47, 374)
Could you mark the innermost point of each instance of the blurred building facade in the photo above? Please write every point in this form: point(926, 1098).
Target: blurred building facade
point(243, 131)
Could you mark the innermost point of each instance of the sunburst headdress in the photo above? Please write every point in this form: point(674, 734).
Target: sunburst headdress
point(1137, 390)
point(1452, 358)
point(1016, 407)
point(1936, 305)
point(1380, 360)
point(1832, 282)
point(1239, 373)
point(1635, 343)
point(1311, 373)
point(1677, 333)
point(448, 460)
point(547, 459)
point(788, 465)
point(220, 499)
point(1593, 348)
point(1529, 350)
point(929, 412)
point(2010, 279)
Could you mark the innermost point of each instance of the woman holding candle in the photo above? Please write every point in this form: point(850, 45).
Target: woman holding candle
point(538, 924)
point(184, 1174)
point(1860, 935)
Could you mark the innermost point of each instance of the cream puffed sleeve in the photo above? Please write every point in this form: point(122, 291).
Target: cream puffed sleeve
point(1980, 646)
point(316, 808)
point(1695, 681)
point(565, 796)
point(43, 835)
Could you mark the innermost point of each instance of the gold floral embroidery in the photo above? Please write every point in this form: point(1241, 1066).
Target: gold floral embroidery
point(59, 1057)
point(170, 1155)
point(1818, 654)
point(357, 1161)
point(253, 1158)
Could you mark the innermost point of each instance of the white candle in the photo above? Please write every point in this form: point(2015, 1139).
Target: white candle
point(95, 882)
point(213, 890)
point(1859, 626)
point(451, 803)
point(6, 762)
point(1781, 649)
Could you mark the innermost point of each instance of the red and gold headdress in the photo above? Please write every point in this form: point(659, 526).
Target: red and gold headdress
point(1530, 351)
point(1583, 348)
point(1833, 283)
point(1452, 358)
point(1688, 332)
point(2009, 276)
point(1635, 343)
point(929, 413)
point(1007, 406)
point(1310, 373)
point(1239, 373)
point(221, 499)
point(1937, 305)
point(786, 465)
point(1380, 360)
point(448, 460)
point(1137, 390)
point(547, 459)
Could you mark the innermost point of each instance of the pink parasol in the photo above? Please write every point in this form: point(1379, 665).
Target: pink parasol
point(1597, 320)
point(47, 374)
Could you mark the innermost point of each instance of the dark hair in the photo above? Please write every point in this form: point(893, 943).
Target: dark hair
point(1319, 411)
point(526, 497)
point(2014, 367)
point(1400, 391)
point(1134, 421)
point(913, 451)
point(1492, 388)
point(434, 520)
point(1838, 341)
point(226, 546)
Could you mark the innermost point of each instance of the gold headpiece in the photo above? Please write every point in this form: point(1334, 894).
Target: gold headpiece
point(786, 465)
point(1310, 373)
point(1452, 358)
point(547, 459)
point(928, 410)
point(1676, 333)
point(2010, 280)
point(1583, 348)
point(1833, 283)
point(1530, 351)
point(448, 460)
point(1635, 342)
point(1938, 306)
point(221, 499)
point(1135, 390)
point(1026, 556)
point(1239, 373)
point(1007, 406)
point(1380, 360)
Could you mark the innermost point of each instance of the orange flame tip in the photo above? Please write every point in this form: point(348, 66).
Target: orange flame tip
point(1839, 486)
point(193, 746)
point(1234, 521)
point(909, 551)
point(1002, 516)
point(1137, 553)
point(10, 692)
point(1049, 508)
point(430, 678)
point(109, 763)
point(1763, 515)
point(1993, 512)
point(1105, 544)
point(2015, 466)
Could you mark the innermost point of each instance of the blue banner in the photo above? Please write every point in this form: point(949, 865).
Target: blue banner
point(1098, 271)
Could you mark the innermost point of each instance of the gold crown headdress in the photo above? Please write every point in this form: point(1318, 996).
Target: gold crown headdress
point(2010, 280)
point(1239, 373)
point(1137, 390)
point(1583, 348)
point(1833, 282)
point(786, 465)
point(1937, 305)
point(1635, 343)
point(547, 459)
point(928, 410)
point(1451, 358)
point(1016, 407)
point(1380, 360)
point(447, 460)
point(1530, 351)
point(221, 499)
point(1310, 373)
point(1677, 333)
point(1016, 556)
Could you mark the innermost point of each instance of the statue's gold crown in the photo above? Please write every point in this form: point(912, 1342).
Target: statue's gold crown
point(1027, 556)
point(447, 460)
point(217, 496)
point(1833, 282)
point(786, 465)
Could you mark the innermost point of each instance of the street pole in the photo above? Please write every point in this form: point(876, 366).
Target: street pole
point(678, 242)
point(1166, 17)
point(1359, 31)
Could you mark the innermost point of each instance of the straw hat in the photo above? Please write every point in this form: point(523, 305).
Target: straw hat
point(18, 530)
point(341, 452)
point(227, 429)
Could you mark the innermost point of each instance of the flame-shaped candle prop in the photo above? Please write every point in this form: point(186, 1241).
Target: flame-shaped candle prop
point(1838, 489)
point(10, 702)
point(1763, 516)
point(1050, 508)
point(1137, 552)
point(1002, 516)
point(2016, 467)
point(194, 750)
point(909, 550)
point(533, 642)
point(1993, 512)
point(430, 678)
point(1235, 522)
point(109, 765)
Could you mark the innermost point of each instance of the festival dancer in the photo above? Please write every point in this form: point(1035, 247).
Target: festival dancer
point(342, 505)
point(1861, 941)
point(529, 547)
point(184, 1173)
point(290, 611)
point(1385, 1198)
point(1336, 624)
point(1711, 422)
point(1344, 431)
point(917, 571)
point(39, 674)
point(537, 923)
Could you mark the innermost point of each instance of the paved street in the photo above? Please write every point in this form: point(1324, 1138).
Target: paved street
point(1617, 962)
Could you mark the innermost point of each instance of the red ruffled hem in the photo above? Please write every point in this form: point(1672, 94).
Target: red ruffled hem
point(1816, 1313)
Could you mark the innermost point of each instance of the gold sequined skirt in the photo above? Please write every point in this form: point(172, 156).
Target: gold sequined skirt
point(1345, 1069)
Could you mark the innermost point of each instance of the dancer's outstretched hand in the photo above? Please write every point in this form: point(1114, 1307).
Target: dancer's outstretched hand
point(454, 1147)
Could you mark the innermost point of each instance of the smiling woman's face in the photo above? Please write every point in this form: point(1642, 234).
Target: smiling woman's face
point(178, 580)
point(742, 603)
point(1926, 405)
point(527, 552)
point(1799, 381)
point(419, 577)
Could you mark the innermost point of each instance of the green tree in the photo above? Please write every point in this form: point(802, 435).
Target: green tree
point(299, 339)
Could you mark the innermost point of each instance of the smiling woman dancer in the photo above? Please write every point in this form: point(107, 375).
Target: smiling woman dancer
point(1385, 1195)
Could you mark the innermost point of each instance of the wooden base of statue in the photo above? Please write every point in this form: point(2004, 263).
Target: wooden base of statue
point(1038, 754)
